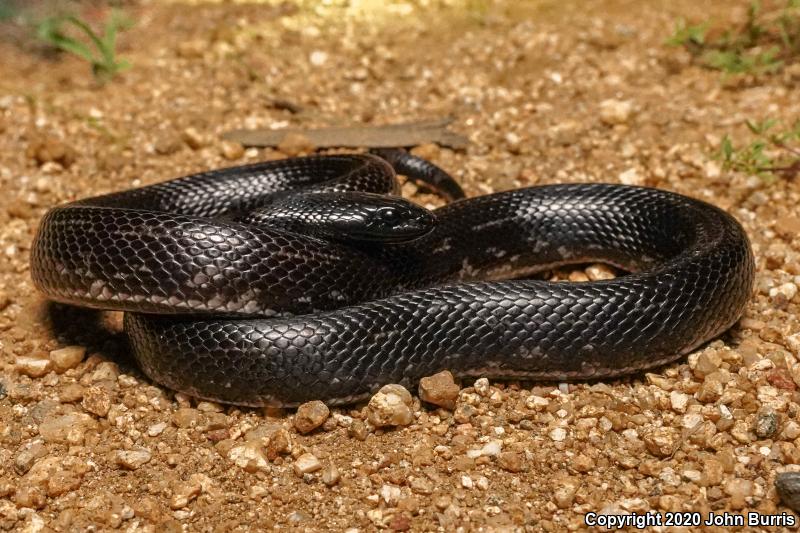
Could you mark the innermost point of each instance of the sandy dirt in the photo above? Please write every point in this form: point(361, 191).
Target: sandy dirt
point(547, 92)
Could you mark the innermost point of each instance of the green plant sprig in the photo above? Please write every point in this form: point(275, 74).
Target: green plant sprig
point(770, 155)
point(100, 51)
point(765, 43)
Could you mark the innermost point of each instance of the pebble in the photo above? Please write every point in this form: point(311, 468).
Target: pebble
point(47, 149)
point(613, 112)
point(32, 497)
point(249, 456)
point(713, 472)
point(783, 294)
point(306, 464)
point(279, 443)
point(788, 486)
point(678, 400)
point(27, 455)
point(599, 271)
point(32, 365)
point(564, 494)
point(330, 475)
point(186, 417)
point(358, 430)
point(310, 416)
point(184, 492)
point(391, 406)
point(97, 400)
point(631, 177)
point(490, 449)
point(156, 429)
point(390, 494)
point(739, 490)
point(788, 226)
point(133, 459)
point(481, 386)
point(439, 389)
point(68, 357)
point(318, 58)
point(766, 424)
point(662, 441)
point(67, 429)
point(558, 434)
point(231, 150)
point(194, 139)
point(511, 461)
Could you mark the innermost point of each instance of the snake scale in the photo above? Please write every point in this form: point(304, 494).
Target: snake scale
point(274, 284)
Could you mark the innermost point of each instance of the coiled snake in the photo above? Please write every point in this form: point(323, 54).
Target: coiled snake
point(271, 284)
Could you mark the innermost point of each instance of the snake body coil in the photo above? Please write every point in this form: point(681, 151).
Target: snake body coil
point(240, 311)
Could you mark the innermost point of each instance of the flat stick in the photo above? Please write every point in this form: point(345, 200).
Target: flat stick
point(387, 136)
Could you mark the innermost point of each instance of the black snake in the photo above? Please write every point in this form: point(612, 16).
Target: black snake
point(270, 284)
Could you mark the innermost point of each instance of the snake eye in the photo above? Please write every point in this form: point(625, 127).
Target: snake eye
point(388, 214)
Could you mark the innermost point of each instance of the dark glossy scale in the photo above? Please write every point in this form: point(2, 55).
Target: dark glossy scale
point(371, 313)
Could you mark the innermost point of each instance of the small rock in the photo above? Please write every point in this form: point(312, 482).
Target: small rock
point(583, 463)
point(279, 443)
point(599, 271)
point(481, 386)
point(32, 497)
point(231, 150)
point(783, 294)
point(194, 139)
point(186, 417)
point(167, 144)
point(390, 494)
point(511, 461)
point(564, 494)
point(739, 490)
point(330, 475)
point(32, 366)
point(712, 474)
point(490, 449)
point(390, 407)
point(613, 112)
point(156, 429)
point(678, 400)
point(97, 400)
point(295, 144)
point(249, 456)
point(133, 459)
point(27, 455)
point(183, 492)
point(318, 58)
point(68, 357)
point(466, 481)
point(306, 464)
point(788, 486)
point(439, 389)
point(358, 430)
point(558, 434)
point(47, 149)
point(631, 177)
point(310, 416)
point(67, 429)
point(788, 226)
point(662, 441)
point(711, 389)
point(766, 424)
point(105, 371)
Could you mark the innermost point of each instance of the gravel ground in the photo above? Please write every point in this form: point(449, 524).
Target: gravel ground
point(547, 92)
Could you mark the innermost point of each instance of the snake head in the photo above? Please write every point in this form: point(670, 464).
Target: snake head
point(346, 216)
